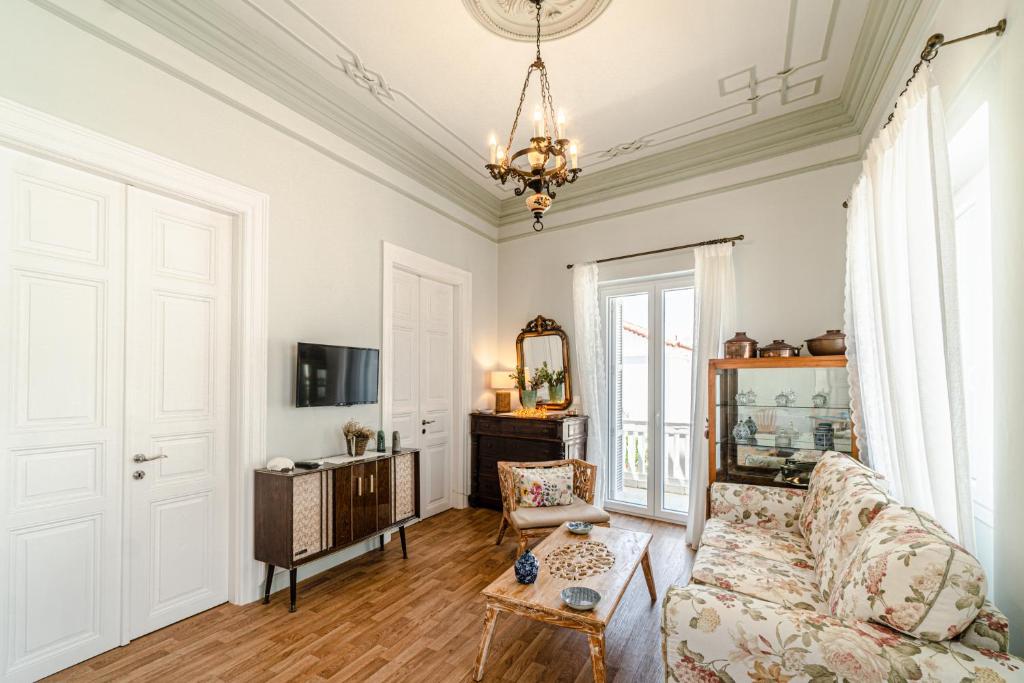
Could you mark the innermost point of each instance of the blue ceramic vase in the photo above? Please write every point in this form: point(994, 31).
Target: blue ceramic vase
point(526, 568)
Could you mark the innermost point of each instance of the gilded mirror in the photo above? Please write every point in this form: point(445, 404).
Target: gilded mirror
point(544, 341)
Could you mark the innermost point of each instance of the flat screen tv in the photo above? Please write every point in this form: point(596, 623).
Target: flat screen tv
point(335, 375)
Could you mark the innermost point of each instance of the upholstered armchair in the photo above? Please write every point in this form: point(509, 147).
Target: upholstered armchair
point(536, 521)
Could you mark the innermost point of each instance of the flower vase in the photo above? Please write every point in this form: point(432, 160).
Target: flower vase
point(357, 445)
point(555, 393)
point(527, 567)
point(528, 397)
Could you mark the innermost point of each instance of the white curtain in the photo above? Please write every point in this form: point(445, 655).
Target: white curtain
point(714, 319)
point(588, 372)
point(902, 319)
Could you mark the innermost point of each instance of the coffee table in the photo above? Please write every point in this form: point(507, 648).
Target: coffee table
point(541, 600)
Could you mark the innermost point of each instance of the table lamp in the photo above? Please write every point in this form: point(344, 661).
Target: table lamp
point(502, 382)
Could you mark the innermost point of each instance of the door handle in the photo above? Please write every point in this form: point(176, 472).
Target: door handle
point(359, 486)
point(428, 422)
point(141, 457)
point(371, 483)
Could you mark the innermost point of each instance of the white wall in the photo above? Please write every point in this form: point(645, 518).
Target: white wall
point(789, 269)
point(327, 219)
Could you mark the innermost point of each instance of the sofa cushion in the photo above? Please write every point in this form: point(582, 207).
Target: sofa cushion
point(909, 574)
point(842, 500)
point(771, 544)
point(543, 486)
point(762, 578)
point(555, 515)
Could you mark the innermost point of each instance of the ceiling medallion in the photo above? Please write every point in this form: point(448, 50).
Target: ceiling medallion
point(514, 18)
point(551, 158)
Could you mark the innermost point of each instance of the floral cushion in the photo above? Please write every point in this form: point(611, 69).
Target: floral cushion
point(760, 506)
point(909, 574)
point(714, 635)
point(543, 486)
point(989, 630)
point(781, 546)
point(842, 500)
point(758, 577)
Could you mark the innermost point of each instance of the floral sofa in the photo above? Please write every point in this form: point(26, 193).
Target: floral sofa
point(838, 583)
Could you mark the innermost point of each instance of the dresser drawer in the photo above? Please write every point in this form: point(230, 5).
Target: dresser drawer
point(521, 428)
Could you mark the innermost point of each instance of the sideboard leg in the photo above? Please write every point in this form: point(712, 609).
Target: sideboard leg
point(382, 542)
point(292, 580)
point(267, 583)
point(401, 535)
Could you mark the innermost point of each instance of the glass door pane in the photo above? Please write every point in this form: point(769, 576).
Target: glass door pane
point(628, 393)
point(676, 373)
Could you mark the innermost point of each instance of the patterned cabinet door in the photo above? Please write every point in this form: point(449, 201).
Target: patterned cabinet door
point(307, 517)
point(405, 486)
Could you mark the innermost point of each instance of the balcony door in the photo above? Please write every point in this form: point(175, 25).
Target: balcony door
point(649, 327)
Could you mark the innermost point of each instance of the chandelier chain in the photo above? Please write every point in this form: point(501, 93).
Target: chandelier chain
point(519, 111)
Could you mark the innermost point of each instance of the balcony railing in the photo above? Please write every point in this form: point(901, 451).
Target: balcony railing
point(677, 456)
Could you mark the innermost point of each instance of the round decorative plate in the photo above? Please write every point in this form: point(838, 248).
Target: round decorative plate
point(516, 19)
point(575, 561)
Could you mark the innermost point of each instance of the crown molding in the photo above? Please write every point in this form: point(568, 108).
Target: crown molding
point(206, 29)
point(216, 36)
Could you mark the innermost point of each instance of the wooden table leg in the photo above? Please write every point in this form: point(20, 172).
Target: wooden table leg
point(293, 579)
point(596, 656)
point(268, 583)
point(645, 561)
point(401, 534)
point(490, 617)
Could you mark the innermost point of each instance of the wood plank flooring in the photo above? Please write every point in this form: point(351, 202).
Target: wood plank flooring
point(379, 618)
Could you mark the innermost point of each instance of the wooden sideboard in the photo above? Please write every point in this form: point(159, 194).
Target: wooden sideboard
point(303, 515)
point(524, 439)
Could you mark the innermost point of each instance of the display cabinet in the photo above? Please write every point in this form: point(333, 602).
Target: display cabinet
point(770, 418)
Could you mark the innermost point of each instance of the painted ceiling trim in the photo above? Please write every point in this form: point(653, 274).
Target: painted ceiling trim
point(272, 71)
point(515, 19)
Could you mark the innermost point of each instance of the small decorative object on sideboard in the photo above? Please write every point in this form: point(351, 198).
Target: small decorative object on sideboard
point(780, 349)
point(380, 440)
point(356, 437)
point(527, 567)
point(741, 346)
point(396, 441)
point(832, 343)
point(785, 399)
point(280, 465)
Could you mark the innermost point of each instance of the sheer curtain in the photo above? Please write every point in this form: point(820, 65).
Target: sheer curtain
point(714, 317)
point(902, 319)
point(589, 373)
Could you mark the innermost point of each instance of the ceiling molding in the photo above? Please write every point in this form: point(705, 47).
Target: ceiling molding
point(205, 28)
point(514, 19)
point(218, 37)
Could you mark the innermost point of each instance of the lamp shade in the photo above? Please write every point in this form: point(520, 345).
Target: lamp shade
point(500, 380)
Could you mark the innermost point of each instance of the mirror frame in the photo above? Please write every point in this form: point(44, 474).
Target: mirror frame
point(546, 327)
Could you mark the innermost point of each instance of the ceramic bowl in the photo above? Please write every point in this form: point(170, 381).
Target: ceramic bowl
point(580, 597)
point(580, 527)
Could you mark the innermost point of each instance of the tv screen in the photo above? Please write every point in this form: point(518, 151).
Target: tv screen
point(335, 375)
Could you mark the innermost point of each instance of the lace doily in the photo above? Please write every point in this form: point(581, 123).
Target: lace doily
point(576, 561)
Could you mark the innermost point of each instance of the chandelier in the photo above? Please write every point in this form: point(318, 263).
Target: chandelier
point(550, 160)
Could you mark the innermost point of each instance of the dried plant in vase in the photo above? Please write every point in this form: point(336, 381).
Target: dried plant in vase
point(356, 437)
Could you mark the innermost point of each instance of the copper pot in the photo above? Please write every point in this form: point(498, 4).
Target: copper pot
point(780, 349)
point(741, 346)
point(832, 343)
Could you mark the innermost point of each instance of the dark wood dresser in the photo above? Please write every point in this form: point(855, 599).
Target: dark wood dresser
point(306, 514)
point(524, 439)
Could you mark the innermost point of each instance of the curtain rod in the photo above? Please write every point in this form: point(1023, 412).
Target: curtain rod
point(720, 240)
point(930, 52)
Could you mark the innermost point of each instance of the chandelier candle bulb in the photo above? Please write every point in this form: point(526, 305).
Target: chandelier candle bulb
point(494, 149)
point(538, 123)
point(574, 155)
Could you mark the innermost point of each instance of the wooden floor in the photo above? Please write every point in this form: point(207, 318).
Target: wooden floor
point(379, 618)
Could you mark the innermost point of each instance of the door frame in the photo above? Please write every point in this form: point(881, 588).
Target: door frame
point(50, 137)
point(394, 256)
point(654, 286)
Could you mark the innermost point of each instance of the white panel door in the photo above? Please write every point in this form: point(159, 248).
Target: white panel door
point(61, 426)
point(436, 317)
point(177, 408)
point(405, 374)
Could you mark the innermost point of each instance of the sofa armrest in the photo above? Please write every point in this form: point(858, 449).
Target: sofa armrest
point(990, 630)
point(713, 634)
point(768, 507)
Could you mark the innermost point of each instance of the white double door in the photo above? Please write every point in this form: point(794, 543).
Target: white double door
point(117, 310)
point(422, 319)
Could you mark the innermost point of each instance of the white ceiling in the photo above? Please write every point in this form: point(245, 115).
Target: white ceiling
point(426, 84)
